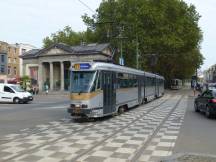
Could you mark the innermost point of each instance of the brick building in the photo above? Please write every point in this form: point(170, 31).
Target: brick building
point(3, 61)
point(13, 61)
point(13, 69)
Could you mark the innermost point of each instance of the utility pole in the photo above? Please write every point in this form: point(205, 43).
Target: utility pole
point(137, 52)
point(121, 50)
point(121, 60)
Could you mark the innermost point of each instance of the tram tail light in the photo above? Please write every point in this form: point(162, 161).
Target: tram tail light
point(213, 100)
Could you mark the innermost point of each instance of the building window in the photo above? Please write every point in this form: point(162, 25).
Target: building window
point(14, 60)
point(2, 69)
point(9, 60)
point(9, 70)
point(2, 58)
point(15, 71)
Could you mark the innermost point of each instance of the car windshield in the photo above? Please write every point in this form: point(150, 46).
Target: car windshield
point(17, 88)
point(82, 81)
point(214, 93)
point(211, 87)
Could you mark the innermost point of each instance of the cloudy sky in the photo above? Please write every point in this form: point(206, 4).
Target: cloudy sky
point(29, 21)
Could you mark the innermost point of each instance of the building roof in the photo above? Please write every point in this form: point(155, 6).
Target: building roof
point(73, 50)
point(3, 53)
point(90, 48)
point(30, 54)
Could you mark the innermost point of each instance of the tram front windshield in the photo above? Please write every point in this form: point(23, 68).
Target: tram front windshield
point(82, 81)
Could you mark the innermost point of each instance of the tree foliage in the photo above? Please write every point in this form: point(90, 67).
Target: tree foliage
point(70, 37)
point(168, 29)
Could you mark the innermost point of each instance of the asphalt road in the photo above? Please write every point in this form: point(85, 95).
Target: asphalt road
point(198, 134)
point(15, 117)
point(43, 131)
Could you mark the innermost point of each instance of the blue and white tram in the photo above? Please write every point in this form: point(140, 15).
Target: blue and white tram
point(101, 89)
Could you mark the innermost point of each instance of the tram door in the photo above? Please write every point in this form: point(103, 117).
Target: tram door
point(109, 91)
point(157, 86)
point(139, 89)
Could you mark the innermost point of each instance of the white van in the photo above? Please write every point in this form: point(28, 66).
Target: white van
point(14, 93)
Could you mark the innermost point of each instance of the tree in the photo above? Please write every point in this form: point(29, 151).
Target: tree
point(168, 29)
point(24, 81)
point(70, 37)
point(166, 33)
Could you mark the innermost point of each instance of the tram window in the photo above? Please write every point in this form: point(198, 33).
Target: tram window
point(148, 81)
point(120, 75)
point(152, 81)
point(82, 81)
point(99, 80)
point(135, 81)
point(127, 80)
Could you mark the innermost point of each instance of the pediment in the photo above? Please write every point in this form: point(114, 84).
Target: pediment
point(53, 52)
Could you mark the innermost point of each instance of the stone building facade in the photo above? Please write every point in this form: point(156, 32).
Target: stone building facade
point(51, 65)
point(23, 48)
point(210, 74)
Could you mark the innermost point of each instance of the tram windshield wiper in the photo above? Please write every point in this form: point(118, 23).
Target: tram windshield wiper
point(80, 92)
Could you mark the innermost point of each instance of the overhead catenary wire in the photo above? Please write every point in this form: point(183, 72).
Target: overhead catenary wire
point(87, 6)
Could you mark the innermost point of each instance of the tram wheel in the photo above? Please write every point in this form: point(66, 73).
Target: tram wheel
point(121, 110)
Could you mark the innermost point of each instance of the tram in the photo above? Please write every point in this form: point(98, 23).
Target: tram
point(100, 89)
point(176, 84)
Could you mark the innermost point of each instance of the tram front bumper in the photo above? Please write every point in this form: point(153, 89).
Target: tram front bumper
point(90, 113)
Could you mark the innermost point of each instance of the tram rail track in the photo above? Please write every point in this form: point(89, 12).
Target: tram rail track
point(76, 159)
point(116, 132)
point(146, 144)
point(84, 128)
point(36, 130)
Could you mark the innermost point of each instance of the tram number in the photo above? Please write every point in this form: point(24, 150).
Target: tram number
point(77, 66)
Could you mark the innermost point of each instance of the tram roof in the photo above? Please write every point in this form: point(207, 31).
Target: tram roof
point(118, 68)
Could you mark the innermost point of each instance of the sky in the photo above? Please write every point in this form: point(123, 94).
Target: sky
point(29, 21)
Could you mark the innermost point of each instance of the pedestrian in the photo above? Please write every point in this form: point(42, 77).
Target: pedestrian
point(194, 88)
point(34, 90)
point(46, 89)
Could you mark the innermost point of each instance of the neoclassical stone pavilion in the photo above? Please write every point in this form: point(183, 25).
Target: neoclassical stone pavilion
point(51, 65)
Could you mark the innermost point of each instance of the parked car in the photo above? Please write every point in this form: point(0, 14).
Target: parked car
point(212, 86)
point(206, 102)
point(14, 93)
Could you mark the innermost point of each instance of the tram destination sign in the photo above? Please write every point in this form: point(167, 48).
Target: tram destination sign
point(82, 66)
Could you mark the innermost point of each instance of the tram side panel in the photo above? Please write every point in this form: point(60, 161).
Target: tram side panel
point(127, 90)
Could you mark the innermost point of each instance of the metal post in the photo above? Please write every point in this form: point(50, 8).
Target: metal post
point(137, 52)
point(121, 50)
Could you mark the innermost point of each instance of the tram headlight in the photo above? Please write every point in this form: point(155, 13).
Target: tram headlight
point(84, 106)
point(72, 106)
point(78, 106)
